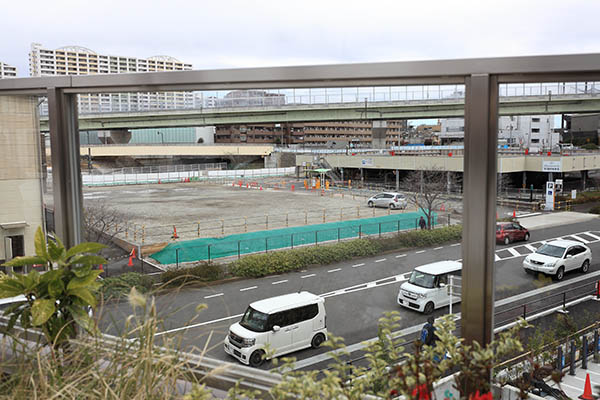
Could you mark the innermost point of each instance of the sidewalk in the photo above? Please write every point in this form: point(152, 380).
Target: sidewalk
point(546, 220)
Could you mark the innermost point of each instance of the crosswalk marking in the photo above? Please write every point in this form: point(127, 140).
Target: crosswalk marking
point(582, 240)
point(592, 235)
point(530, 248)
point(497, 258)
point(513, 252)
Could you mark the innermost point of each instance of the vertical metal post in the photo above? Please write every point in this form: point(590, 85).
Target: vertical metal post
point(209, 253)
point(360, 231)
point(584, 352)
point(239, 255)
point(479, 223)
point(572, 360)
point(66, 170)
point(596, 345)
point(292, 240)
point(380, 229)
point(266, 245)
point(177, 257)
point(560, 359)
point(398, 177)
point(338, 234)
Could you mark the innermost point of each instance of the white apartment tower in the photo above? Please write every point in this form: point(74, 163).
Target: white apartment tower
point(74, 60)
point(7, 71)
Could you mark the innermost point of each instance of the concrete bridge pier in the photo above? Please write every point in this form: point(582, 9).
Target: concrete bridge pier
point(397, 180)
point(584, 175)
point(524, 179)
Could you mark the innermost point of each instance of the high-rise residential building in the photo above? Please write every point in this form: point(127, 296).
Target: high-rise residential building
point(75, 60)
point(7, 71)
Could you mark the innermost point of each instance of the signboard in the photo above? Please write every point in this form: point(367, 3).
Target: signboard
point(367, 162)
point(574, 194)
point(558, 185)
point(551, 166)
point(549, 196)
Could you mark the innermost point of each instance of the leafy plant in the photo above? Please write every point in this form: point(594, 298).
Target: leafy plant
point(56, 301)
point(120, 286)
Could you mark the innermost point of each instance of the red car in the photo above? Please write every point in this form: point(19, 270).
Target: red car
point(507, 232)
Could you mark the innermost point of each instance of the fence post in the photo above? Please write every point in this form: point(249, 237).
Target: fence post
point(525, 311)
point(560, 359)
point(398, 225)
point(239, 250)
point(338, 234)
point(177, 257)
point(266, 245)
point(316, 238)
point(209, 253)
point(564, 302)
point(596, 345)
point(292, 238)
point(360, 231)
point(584, 351)
point(380, 229)
point(572, 360)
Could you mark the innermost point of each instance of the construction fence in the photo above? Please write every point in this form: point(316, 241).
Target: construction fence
point(207, 249)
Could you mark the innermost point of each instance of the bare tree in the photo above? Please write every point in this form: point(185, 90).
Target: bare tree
point(426, 190)
point(102, 223)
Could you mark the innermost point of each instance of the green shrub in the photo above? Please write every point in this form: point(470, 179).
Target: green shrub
point(590, 146)
point(421, 238)
point(120, 286)
point(292, 260)
point(587, 197)
point(594, 210)
point(201, 272)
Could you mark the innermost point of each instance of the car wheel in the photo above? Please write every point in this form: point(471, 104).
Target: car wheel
point(370, 204)
point(256, 358)
point(317, 340)
point(392, 206)
point(428, 308)
point(560, 274)
point(526, 237)
point(528, 271)
point(586, 266)
point(506, 240)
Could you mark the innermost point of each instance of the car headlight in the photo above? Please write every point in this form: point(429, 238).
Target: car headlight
point(422, 295)
point(248, 342)
point(550, 264)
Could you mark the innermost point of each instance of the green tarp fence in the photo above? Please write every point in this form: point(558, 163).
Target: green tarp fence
point(263, 241)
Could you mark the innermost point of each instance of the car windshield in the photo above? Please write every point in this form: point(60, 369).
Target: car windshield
point(551, 250)
point(422, 279)
point(254, 320)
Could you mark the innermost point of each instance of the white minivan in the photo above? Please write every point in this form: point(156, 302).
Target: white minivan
point(427, 289)
point(284, 323)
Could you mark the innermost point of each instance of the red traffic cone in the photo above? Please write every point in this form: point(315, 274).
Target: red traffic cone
point(261, 188)
point(100, 267)
point(130, 263)
point(514, 213)
point(587, 391)
point(132, 254)
point(174, 235)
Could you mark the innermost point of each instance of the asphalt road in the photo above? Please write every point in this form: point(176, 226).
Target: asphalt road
point(357, 293)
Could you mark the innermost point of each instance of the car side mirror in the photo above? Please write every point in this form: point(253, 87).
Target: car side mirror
point(569, 255)
point(442, 284)
point(276, 328)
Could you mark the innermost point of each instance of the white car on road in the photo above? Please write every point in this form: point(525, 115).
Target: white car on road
point(557, 257)
point(389, 200)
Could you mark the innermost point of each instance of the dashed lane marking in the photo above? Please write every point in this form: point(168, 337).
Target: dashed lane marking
point(307, 276)
point(334, 270)
point(420, 251)
point(183, 328)
point(248, 288)
point(455, 244)
point(380, 260)
point(401, 255)
point(358, 265)
point(438, 248)
point(213, 295)
point(279, 282)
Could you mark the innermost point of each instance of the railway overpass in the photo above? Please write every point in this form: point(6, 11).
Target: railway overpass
point(406, 109)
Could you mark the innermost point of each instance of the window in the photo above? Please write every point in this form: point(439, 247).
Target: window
point(535, 130)
point(535, 140)
point(535, 120)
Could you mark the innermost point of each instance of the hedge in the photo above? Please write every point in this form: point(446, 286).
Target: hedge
point(587, 197)
point(120, 286)
point(258, 265)
point(201, 272)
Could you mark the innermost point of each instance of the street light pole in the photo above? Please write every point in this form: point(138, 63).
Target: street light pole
point(162, 140)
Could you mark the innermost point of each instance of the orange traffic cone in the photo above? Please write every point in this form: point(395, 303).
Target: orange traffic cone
point(514, 213)
point(174, 235)
point(130, 263)
point(132, 254)
point(261, 188)
point(100, 267)
point(587, 391)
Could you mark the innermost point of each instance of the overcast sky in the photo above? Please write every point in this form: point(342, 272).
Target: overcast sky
point(237, 34)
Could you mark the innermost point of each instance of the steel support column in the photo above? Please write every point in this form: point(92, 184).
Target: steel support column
point(66, 170)
point(479, 219)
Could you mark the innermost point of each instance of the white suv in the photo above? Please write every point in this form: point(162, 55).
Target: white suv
point(388, 200)
point(557, 257)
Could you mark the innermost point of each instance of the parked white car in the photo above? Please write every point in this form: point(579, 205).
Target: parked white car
point(426, 288)
point(388, 200)
point(557, 257)
point(284, 323)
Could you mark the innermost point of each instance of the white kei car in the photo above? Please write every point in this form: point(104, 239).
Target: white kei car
point(557, 257)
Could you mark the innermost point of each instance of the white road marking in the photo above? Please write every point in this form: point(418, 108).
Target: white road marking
point(401, 255)
point(307, 276)
point(380, 260)
point(334, 270)
point(213, 295)
point(530, 247)
point(420, 251)
point(278, 282)
point(582, 240)
point(198, 324)
point(496, 258)
point(438, 248)
point(455, 244)
point(358, 265)
point(514, 252)
point(248, 288)
point(592, 235)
